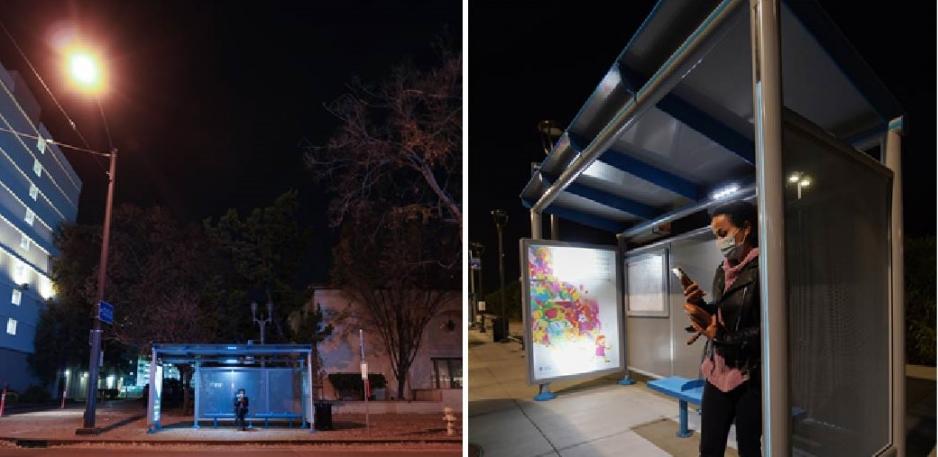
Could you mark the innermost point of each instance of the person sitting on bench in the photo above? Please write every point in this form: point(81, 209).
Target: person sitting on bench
point(241, 408)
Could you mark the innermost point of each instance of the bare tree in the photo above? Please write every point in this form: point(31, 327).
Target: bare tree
point(396, 276)
point(408, 130)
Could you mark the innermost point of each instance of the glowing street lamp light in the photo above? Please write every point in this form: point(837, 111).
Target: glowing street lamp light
point(86, 72)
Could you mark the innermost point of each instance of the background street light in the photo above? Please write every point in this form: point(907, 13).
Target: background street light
point(500, 331)
point(477, 249)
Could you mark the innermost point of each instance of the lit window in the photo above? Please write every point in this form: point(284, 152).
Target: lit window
point(17, 297)
point(33, 191)
point(447, 373)
point(11, 326)
point(19, 273)
point(30, 216)
point(41, 145)
point(37, 168)
point(24, 242)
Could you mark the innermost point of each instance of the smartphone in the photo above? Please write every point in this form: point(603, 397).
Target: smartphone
point(685, 280)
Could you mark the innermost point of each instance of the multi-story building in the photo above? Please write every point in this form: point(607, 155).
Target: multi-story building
point(39, 190)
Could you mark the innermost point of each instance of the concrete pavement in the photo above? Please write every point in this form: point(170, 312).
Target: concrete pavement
point(229, 452)
point(126, 424)
point(592, 417)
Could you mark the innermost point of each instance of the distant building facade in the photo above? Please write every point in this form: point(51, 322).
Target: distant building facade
point(436, 374)
point(39, 190)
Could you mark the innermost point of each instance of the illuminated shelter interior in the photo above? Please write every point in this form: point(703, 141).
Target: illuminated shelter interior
point(275, 377)
point(672, 130)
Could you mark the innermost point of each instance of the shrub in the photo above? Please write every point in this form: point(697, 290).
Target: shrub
point(350, 386)
point(35, 394)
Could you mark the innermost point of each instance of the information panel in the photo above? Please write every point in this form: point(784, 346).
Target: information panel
point(572, 311)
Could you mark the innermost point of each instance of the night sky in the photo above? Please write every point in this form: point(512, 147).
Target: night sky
point(210, 100)
point(527, 64)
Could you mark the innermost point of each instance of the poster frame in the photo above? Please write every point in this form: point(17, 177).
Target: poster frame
point(664, 310)
point(524, 244)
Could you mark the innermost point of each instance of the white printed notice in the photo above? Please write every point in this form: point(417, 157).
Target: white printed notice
point(573, 316)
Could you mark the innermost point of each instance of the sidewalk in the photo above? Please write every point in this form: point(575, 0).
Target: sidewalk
point(127, 424)
point(591, 417)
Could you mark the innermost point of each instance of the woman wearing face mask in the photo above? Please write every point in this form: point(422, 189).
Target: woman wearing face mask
point(732, 391)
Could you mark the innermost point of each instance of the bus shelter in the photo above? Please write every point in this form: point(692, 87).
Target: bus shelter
point(712, 101)
point(276, 379)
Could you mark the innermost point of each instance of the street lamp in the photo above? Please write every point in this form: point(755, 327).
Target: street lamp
point(477, 249)
point(262, 323)
point(88, 75)
point(501, 329)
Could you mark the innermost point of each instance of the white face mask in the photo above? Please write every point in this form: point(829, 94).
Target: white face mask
point(728, 246)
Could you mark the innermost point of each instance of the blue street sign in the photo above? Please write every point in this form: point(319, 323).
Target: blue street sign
point(106, 312)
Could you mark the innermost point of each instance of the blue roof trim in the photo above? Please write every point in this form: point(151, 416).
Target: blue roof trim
point(623, 161)
point(865, 135)
point(845, 56)
point(581, 218)
point(605, 198)
point(696, 118)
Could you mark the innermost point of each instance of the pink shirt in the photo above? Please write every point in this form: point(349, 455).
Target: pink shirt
point(716, 371)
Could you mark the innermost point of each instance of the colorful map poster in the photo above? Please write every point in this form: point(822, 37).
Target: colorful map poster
point(573, 310)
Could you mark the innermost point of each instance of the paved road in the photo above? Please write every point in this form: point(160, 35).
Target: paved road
point(233, 451)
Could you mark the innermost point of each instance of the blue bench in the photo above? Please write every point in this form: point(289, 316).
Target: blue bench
point(686, 391)
point(691, 391)
point(289, 416)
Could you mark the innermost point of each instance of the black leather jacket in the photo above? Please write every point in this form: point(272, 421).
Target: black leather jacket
point(739, 342)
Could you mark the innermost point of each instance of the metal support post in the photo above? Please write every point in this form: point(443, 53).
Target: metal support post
point(894, 162)
point(196, 376)
point(626, 380)
point(767, 100)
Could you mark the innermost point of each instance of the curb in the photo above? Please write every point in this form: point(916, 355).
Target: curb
point(44, 443)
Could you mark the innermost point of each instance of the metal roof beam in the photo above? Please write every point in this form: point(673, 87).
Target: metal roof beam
point(697, 119)
point(625, 162)
point(588, 220)
point(602, 197)
point(664, 80)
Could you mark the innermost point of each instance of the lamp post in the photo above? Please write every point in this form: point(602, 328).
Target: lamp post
point(501, 218)
point(87, 73)
point(477, 249)
point(262, 323)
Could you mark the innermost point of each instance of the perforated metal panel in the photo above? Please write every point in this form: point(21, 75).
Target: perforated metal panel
point(837, 267)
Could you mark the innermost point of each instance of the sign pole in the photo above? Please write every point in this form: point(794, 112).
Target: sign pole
point(361, 343)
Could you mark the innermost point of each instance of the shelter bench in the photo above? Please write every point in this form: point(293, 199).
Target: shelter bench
point(288, 416)
point(686, 391)
point(691, 391)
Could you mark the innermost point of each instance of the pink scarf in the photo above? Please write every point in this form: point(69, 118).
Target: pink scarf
point(716, 371)
point(730, 273)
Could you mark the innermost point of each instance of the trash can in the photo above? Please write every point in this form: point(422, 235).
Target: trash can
point(323, 415)
point(499, 329)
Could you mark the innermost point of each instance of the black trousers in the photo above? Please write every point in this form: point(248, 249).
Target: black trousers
point(720, 409)
point(239, 418)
